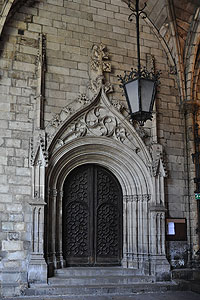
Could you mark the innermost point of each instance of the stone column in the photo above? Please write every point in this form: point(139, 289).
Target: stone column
point(159, 264)
point(51, 223)
point(37, 271)
point(59, 254)
point(136, 241)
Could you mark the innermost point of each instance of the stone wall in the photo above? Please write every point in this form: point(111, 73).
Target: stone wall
point(71, 28)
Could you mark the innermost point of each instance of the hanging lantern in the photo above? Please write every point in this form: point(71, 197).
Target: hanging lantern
point(139, 85)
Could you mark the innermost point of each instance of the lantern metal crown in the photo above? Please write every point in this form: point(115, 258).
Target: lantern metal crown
point(139, 85)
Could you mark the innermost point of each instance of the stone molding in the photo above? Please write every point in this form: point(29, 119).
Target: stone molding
point(93, 130)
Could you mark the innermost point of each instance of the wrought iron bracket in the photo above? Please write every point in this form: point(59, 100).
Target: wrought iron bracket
point(136, 12)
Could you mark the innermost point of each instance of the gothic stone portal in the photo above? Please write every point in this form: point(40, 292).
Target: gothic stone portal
point(92, 217)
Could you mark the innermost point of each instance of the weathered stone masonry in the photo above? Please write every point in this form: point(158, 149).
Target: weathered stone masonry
point(45, 66)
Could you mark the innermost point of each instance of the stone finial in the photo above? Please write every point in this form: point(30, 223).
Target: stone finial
point(99, 58)
point(98, 65)
point(41, 70)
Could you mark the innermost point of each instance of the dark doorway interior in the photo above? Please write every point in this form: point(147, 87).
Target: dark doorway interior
point(92, 217)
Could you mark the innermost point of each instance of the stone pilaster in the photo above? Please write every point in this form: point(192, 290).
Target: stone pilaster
point(37, 271)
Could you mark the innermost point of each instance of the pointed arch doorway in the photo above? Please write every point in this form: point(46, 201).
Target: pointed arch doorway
point(92, 217)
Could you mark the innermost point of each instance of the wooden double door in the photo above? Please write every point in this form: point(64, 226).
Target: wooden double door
point(92, 217)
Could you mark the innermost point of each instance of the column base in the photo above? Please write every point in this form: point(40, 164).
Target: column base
point(37, 271)
point(160, 268)
point(59, 261)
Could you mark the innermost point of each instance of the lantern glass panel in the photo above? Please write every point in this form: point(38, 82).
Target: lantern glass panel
point(147, 93)
point(132, 94)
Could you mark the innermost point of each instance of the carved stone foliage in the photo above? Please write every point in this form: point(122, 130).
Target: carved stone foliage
point(85, 117)
point(137, 198)
point(66, 113)
point(97, 121)
point(99, 59)
point(99, 64)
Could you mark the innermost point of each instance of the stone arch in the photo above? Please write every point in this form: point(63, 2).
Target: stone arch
point(4, 13)
point(111, 142)
point(192, 59)
point(131, 174)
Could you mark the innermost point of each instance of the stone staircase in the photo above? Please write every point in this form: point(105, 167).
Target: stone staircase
point(97, 281)
point(188, 277)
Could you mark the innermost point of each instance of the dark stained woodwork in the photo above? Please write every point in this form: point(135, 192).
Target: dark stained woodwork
point(92, 217)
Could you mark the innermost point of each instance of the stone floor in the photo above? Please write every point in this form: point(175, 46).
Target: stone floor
point(145, 296)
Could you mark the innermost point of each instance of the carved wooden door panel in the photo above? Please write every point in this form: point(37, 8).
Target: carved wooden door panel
point(92, 217)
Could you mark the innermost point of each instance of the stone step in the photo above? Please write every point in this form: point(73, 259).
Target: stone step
point(99, 280)
point(124, 289)
point(95, 271)
point(186, 295)
point(186, 274)
point(195, 286)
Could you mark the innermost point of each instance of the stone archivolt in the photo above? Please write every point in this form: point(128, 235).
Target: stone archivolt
point(96, 121)
point(93, 130)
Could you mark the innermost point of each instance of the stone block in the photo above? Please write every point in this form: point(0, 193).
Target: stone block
point(12, 245)
point(98, 4)
point(53, 46)
point(21, 190)
point(13, 236)
point(104, 12)
point(4, 124)
point(34, 27)
point(3, 179)
point(20, 126)
point(6, 226)
point(47, 29)
point(14, 207)
point(16, 217)
point(42, 21)
point(70, 19)
point(58, 70)
point(5, 198)
point(75, 27)
point(59, 39)
point(3, 189)
point(79, 73)
point(26, 67)
point(17, 255)
point(56, 94)
point(2, 207)
point(13, 143)
point(15, 161)
point(111, 7)
point(51, 15)
point(23, 172)
point(19, 226)
point(4, 89)
point(101, 19)
point(28, 50)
